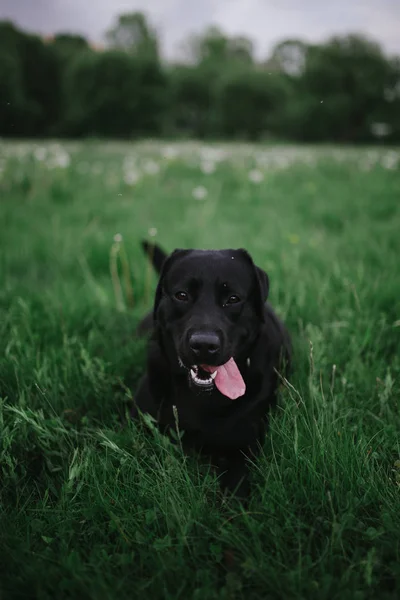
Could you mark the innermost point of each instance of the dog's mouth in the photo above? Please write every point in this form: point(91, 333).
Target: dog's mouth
point(226, 378)
point(200, 377)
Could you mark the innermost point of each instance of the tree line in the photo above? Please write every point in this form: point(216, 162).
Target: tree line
point(344, 90)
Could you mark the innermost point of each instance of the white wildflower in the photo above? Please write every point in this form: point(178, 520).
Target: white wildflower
point(129, 163)
point(199, 192)
point(131, 177)
point(380, 129)
point(61, 159)
point(390, 160)
point(151, 167)
point(40, 153)
point(207, 167)
point(169, 152)
point(282, 161)
point(256, 176)
point(214, 154)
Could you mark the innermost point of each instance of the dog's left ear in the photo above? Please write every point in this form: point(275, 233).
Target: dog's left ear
point(262, 284)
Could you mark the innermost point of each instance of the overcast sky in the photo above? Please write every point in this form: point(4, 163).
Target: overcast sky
point(265, 21)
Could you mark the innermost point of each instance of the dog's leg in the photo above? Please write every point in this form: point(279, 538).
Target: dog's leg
point(144, 400)
point(233, 471)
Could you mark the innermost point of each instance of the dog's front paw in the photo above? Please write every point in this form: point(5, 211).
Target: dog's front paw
point(234, 477)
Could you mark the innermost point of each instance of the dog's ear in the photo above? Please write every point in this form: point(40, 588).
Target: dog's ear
point(168, 262)
point(261, 284)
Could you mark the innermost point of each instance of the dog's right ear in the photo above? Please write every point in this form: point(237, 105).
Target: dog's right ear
point(262, 284)
point(168, 262)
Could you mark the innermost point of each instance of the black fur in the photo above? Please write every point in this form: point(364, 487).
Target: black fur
point(228, 431)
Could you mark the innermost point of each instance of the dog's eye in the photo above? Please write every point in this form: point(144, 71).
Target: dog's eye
point(182, 296)
point(233, 300)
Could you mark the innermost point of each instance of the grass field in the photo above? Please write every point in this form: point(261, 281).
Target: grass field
point(90, 506)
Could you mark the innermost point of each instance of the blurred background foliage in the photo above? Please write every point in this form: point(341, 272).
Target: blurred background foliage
point(345, 90)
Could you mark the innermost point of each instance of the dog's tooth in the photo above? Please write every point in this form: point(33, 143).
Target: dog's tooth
point(213, 375)
point(202, 382)
point(248, 362)
point(193, 373)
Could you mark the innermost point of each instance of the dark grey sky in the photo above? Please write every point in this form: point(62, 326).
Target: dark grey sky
point(265, 21)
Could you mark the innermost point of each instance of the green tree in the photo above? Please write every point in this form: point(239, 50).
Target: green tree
point(68, 45)
point(390, 112)
point(258, 98)
point(213, 49)
point(11, 94)
point(12, 98)
point(195, 89)
point(42, 82)
point(133, 34)
point(34, 86)
point(288, 57)
point(342, 89)
point(114, 94)
point(192, 101)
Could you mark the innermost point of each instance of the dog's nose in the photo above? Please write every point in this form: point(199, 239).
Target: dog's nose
point(204, 345)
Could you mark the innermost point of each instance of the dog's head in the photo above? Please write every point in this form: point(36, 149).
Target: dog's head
point(209, 307)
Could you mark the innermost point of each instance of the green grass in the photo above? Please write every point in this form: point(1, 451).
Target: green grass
point(91, 506)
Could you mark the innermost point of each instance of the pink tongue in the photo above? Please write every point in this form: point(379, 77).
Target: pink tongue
point(228, 379)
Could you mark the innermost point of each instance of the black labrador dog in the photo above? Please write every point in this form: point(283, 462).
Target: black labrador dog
point(213, 356)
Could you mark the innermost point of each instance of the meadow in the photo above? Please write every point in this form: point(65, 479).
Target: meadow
point(94, 506)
